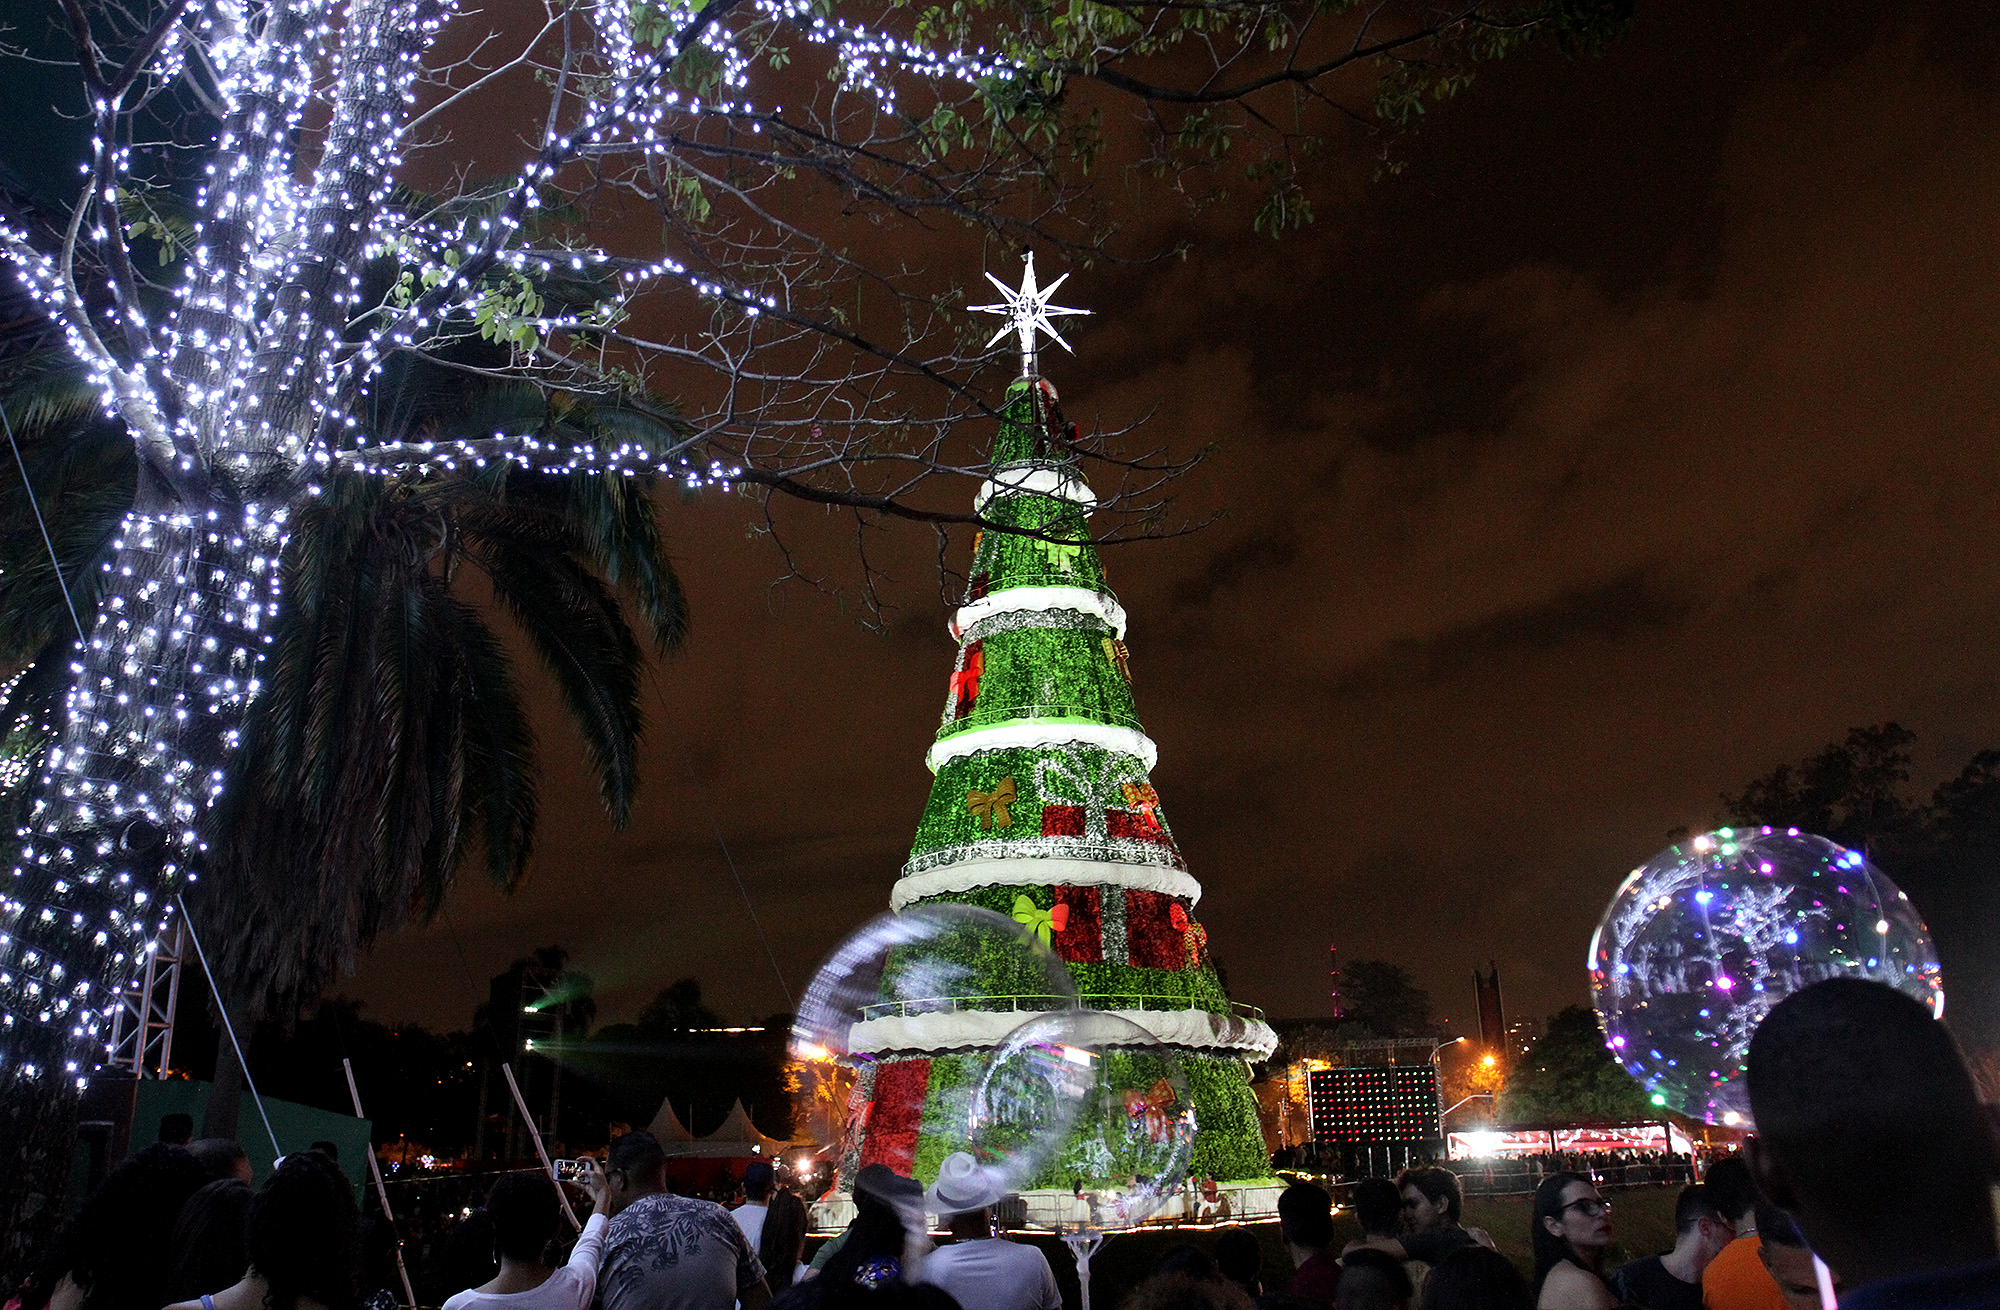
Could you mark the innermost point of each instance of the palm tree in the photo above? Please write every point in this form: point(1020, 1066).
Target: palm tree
point(390, 744)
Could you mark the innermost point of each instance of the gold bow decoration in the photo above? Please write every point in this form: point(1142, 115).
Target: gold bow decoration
point(1060, 554)
point(1045, 924)
point(990, 807)
point(1118, 653)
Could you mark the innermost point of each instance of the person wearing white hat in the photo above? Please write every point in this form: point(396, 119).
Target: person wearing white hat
point(981, 1270)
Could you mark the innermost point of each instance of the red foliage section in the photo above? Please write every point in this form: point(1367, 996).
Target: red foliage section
point(965, 682)
point(1081, 940)
point(1134, 825)
point(897, 1114)
point(1149, 927)
point(1137, 827)
point(1062, 820)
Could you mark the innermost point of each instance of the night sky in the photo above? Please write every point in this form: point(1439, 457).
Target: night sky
point(1642, 433)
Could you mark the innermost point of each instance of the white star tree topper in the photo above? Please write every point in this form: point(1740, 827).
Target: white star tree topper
point(1027, 312)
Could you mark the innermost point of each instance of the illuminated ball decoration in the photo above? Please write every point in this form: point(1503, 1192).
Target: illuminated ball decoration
point(1701, 943)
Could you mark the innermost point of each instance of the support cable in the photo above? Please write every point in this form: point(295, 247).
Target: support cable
point(277, 1152)
point(35, 504)
point(701, 796)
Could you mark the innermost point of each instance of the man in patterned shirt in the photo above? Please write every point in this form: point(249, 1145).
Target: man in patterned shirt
point(668, 1252)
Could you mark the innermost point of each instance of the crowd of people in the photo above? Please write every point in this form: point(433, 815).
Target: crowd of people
point(1623, 1168)
point(1872, 1150)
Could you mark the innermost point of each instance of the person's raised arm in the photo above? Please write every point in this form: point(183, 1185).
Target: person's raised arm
point(588, 1253)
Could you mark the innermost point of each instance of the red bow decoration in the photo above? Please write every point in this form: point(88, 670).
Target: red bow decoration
point(1141, 797)
point(1193, 935)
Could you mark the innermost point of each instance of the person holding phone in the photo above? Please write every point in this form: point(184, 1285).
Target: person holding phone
point(525, 1209)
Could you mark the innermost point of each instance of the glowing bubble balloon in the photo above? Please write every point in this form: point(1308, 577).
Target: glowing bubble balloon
point(1700, 944)
point(1091, 1103)
point(903, 980)
point(943, 983)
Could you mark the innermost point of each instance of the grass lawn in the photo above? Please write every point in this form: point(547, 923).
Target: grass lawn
point(1642, 1223)
point(1642, 1220)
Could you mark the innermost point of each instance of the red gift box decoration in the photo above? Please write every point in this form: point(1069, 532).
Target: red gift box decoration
point(1062, 820)
point(897, 1114)
point(1149, 930)
point(1135, 827)
point(1081, 939)
point(965, 682)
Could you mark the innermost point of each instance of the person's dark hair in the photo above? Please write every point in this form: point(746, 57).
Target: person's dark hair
point(638, 1155)
point(1305, 1215)
point(1851, 1081)
point(328, 1149)
point(176, 1129)
point(119, 1248)
point(209, 1254)
point(303, 1235)
point(1439, 1186)
point(1476, 1278)
point(1186, 1292)
point(1378, 1206)
point(218, 1155)
point(1550, 1250)
point(378, 1254)
point(1372, 1280)
point(783, 1239)
point(1776, 1228)
point(468, 1251)
point(1694, 1204)
point(1728, 1182)
point(525, 1208)
point(758, 1180)
point(1239, 1257)
point(875, 1232)
point(821, 1294)
point(1187, 1258)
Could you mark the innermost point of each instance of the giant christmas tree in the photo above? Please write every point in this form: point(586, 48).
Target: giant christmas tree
point(1044, 810)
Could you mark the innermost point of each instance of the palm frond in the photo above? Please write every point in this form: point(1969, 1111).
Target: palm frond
point(574, 623)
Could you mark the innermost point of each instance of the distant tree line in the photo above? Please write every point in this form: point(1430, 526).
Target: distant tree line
point(1943, 850)
point(443, 1091)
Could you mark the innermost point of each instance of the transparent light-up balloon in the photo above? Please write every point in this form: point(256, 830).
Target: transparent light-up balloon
point(1700, 944)
point(915, 981)
point(1093, 1104)
point(942, 983)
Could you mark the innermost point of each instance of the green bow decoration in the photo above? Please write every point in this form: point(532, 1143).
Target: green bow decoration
point(1045, 924)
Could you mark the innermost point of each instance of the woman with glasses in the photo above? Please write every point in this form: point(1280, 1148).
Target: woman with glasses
point(1570, 1231)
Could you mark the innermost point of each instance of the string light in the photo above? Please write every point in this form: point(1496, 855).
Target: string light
point(245, 391)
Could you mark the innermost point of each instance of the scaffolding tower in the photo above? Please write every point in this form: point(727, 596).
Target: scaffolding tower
point(142, 1023)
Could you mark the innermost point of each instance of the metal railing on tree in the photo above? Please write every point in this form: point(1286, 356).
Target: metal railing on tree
point(1033, 1004)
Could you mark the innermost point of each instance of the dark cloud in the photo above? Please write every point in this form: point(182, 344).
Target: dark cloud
point(1257, 553)
point(1628, 606)
point(1644, 432)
